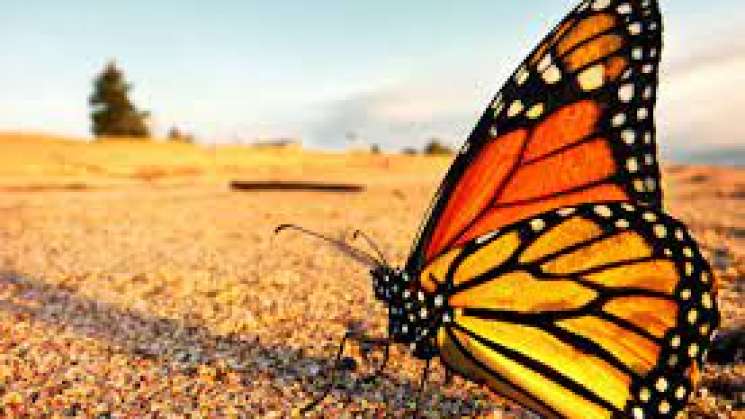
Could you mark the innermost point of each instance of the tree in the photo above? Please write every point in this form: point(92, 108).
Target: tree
point(435, 146)
point(176, 135)
point(113, 113)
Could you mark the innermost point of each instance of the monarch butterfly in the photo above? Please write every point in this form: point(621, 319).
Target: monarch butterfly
point(546, 267)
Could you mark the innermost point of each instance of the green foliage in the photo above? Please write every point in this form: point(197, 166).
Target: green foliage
point(113, 113)
point(436, 147)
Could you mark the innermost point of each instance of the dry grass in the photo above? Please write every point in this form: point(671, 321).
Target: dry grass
point(151, 288)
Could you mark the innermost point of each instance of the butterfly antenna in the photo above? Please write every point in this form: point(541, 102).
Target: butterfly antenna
point(356, 254)
point(371, 243)
point(330, 385)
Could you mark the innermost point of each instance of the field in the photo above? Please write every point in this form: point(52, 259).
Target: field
point(134, 283)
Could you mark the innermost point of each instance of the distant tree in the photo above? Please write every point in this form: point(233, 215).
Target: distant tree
point(410, 151)
point(436, 147)
point(176, 135)
point(113, 113)
point(375, 149)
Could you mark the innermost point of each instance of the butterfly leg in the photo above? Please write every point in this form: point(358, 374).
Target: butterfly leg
point(366, 345)
point(337, 362)
point(422, 383)
point(448, 376)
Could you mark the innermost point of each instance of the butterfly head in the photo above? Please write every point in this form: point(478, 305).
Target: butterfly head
point(389, 283)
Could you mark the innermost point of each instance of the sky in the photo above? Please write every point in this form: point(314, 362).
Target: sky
point(391, 72)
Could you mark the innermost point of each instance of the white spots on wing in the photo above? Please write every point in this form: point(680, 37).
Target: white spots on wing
point(628, 136)
point(624, 9)
point(688, 252)
point(515, 108)
point(498, 105)
point(635, 28)
point(603, 211)
point(522, 76)
point(673, 360)
point(642, 114)
point(592, 78)
point(626, 93)
point(552, 75)
point(692, 316)
point(706, 277)
point(544, 63)
point(647, 94)
point(622, 224)
point(651, 184)
point(664, 407)
point(619, 119)
point(675, 341)
point(707, 301)
point(632, 165)
point(660, 231)
point(704, 329)
point(661, 385)
point(693, 350)
point(487, 237)
point(565, 212)
point(649, 217)
point(688, 268)
point(537, 224)
point(645, 394)
point(600, 4)
point(639, 186)
point(535, 111)
point(685, 294)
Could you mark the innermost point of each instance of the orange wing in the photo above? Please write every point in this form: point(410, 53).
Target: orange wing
point(599, 310)
point(574, 124)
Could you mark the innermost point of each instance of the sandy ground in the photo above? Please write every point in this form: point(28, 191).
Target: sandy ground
point(174, 298)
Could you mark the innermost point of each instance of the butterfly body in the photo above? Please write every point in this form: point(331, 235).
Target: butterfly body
point(414, 316)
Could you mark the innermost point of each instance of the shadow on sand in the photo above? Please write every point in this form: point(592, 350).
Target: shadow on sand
point(183, 346)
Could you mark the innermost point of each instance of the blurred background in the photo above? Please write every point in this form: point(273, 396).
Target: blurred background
point(136, 282)
point(339, 74)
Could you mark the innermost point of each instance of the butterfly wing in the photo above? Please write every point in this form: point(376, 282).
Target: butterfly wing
point(573, 124)
point(590, 311)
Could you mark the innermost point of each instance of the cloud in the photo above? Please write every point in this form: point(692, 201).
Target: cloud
point(398, 116)
point(700, 104)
